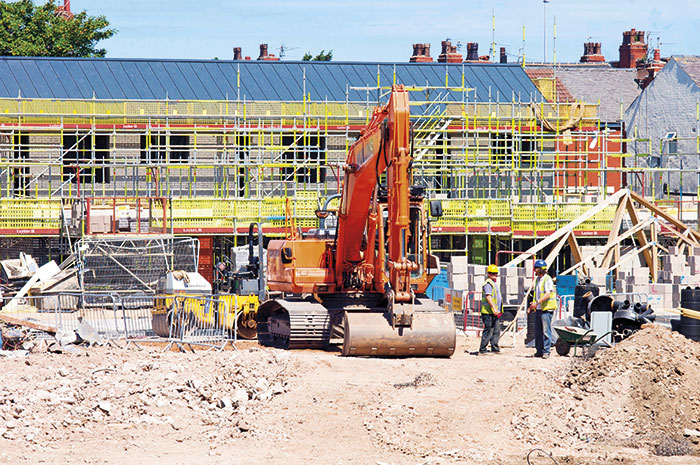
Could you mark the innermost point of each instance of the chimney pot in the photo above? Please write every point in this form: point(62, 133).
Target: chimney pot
point(449, 53)
point(237, 53)
point(504, 57)
point(421, 54)
point(472, 51)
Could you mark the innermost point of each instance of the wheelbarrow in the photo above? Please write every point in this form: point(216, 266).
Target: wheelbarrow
point(573, 336)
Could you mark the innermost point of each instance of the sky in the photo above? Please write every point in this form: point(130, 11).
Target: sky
point(384, 31)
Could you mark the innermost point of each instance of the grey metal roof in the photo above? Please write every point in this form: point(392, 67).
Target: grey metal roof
point(108, 78)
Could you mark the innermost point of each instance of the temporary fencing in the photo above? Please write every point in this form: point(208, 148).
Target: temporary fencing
point(184, 320)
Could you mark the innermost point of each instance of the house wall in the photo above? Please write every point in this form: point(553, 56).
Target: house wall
point(668, 104)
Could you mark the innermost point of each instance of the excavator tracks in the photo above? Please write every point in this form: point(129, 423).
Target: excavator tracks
point(293, 324)
point(366, 330)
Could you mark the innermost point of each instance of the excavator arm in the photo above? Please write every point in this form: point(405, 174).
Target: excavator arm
point(383, 146)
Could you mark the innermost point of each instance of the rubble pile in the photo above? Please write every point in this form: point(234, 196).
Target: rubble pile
point(68, 395)
point(641, 392)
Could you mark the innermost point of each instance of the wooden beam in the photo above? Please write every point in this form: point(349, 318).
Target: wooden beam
point(683, 237)
point(671, 219)
point(641, 237)
point(556, 249)
point(615, 229)
point(605, 247)
point(569, 227)
point(27, 324)
point(654, 254)
point(576, 252)
point(631, 254)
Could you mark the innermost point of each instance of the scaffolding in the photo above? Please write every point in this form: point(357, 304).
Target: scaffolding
point(516, 169)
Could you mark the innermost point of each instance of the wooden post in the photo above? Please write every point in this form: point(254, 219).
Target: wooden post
point(576, 252)
point(654, 254)
point(615, 231)
point(641, 236)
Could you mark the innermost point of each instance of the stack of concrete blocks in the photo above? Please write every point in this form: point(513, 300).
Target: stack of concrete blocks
point(677, 272)
point(100, 221)
point(457, 273)
point(512, 282)
point(469, 278)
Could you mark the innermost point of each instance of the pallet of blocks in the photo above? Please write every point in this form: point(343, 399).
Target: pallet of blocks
point(513, 282)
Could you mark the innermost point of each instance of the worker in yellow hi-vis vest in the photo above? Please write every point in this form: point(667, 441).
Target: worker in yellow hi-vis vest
point(491, 310)
point(543, 305)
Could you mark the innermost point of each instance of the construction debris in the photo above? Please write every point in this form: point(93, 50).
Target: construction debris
point(154, 389)
point(638, 393)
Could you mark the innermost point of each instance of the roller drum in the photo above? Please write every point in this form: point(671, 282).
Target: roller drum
point(432, 334)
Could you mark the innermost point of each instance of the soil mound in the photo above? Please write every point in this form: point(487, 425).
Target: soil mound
point(643, 390)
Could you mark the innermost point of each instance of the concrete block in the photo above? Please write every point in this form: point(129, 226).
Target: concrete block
point(656, 301)
point(479, 270)
point(620, 286)
point(509, 272)
point(459, 281)
point(638, 278)
point(459, 263)
point(694, 264)
point(696, 251)
point(640, 289)
point(663, 289)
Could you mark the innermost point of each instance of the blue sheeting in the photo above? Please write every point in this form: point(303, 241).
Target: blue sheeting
point(436, 289)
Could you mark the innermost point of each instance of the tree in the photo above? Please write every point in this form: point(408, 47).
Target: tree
point(29, 30)
point(320, 57)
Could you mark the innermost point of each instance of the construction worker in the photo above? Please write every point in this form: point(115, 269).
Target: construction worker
point(543, 305)
point(491, 309)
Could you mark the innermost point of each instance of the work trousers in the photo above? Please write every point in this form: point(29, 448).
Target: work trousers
point(543, 332)
point(491, 333)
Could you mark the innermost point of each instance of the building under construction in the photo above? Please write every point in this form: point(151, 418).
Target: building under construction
point(204, 148)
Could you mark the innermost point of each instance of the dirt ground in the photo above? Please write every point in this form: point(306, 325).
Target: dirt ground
point(259, 405)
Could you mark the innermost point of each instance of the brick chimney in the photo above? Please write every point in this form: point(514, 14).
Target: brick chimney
point(449, 53)
point(592, 53)
point(266, 56)
point(237, 53)
point(64, 10)
point(633, 49)
point(421, 54)
point(504, 57)
point(646, 72)
point(472, 51)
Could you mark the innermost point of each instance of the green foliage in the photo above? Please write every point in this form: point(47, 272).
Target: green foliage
point(320, 57)
point(29, 30)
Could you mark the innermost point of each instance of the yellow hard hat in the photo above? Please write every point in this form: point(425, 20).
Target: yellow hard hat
point(492, 269)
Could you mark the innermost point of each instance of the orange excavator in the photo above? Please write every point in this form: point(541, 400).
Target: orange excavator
point(365, 281)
